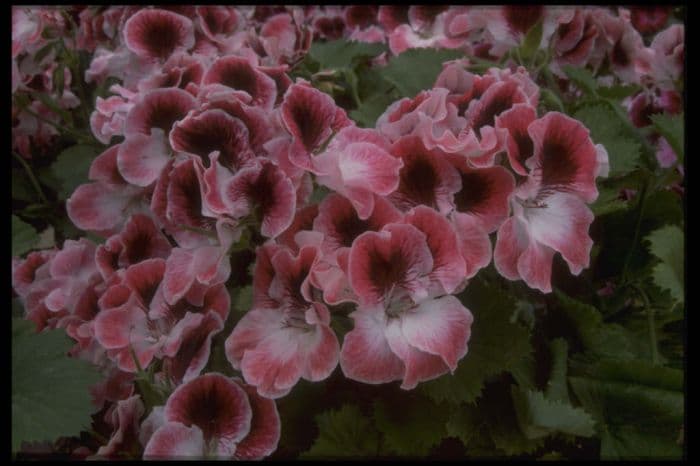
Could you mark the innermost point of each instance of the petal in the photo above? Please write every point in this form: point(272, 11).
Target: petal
point(563, 226)
point(439, 326)
point(565, 156)
point(265, 428)
point(159, 108)
point(141, 158)
point(215, 404)
point(366, 355)
point(238, 73)
point(380, 261)
point(420, 366)
point(154, 33)
point(174, 441)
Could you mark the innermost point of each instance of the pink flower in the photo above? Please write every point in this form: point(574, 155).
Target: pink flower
point(156, 34)
point(104, 205)
point(403, 332)
point(310, 117)
point(213, 415)
point(550, 214)
point(357, 165)
point(139, 240)
point(286, 336)
point(238, 73)
point(426, 177)
point(264, 192)
point(125, 422)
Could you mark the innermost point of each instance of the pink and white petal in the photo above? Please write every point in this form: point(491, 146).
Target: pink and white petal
point(174, 441)
point(535, 266)
point(365, 165)
point(365, 355)
point(449, 267)
point(511, 242)
point(439, 326)
point(179, 274)
point(322, 353)
point(420, 366)
point(265, 428)
point(275, 365)
point(99, 207)
point(563, 226)
point(253, 327)
point(474, 243)
point(141, 158)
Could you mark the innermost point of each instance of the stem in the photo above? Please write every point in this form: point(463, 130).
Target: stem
point(79, 136)
point(653, 344)
point(31, 176)
point(642, 198)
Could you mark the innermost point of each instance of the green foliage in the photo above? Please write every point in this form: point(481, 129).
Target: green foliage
point(411, 425)
point(667, 244)
point(71, 168)
point(416, 69)
point(344, 432)
point(598, 338)
point(606, 129)
point(50, 395)
point(639, 408)
point(672, 128)
point(496, 345)
point(540, 416)
point(531, 42)
point(24, 237)
point(582, 78)
point(341, 53)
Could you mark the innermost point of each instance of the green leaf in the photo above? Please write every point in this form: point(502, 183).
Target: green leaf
point(345, 432)
point(341, 53)
point(24, 237)
point(496, 345)
point(539, 416)
point(583, 78)
point(50, 396)
point(532, 41)
point(410, 432)
point(672, 128)
point(72, 166)
point(618, 91)
point(598, 338)
point(667, 244)
point(608, 201)
point(639, 408)
point(367, 113)
point(22, 189)
point(605, 128)
point(46, 239)
point(416, 69)
point(556, 387)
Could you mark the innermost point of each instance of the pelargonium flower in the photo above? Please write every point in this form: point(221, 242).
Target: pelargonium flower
point(339, 224)
point(286, 336)
point(550, 213)
point(238, 73)
point(310, 117)
point(140, 239)
point(136, 321)
point(214, 416)
point(156, 33)
point(403, 331)
point(426, 176)
point(106, 203)
point(357, 164)
point(125, 422)
point(264, 192)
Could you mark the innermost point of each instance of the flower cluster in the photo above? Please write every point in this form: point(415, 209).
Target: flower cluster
point(214, 148)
